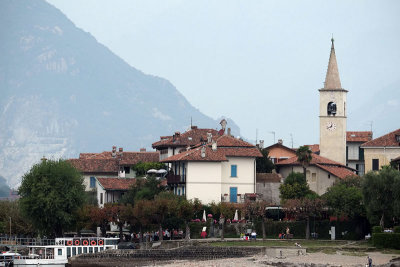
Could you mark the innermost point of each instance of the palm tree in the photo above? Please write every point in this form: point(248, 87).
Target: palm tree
point(304, 157)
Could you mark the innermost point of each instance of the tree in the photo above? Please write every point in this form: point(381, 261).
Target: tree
point(51, 194)
point(186, 211)
point(295, 187)
point(143, 189)
point(380, 195)
point(264, 163)
point(345, 198)
point(141, 168)
point(10, 212)
point(304, 208)
point(256, 210)
point(304, 157)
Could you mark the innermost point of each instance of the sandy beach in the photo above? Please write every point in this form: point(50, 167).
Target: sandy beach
point(338, 259)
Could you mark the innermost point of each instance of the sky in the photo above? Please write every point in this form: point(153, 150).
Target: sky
point(259, 63)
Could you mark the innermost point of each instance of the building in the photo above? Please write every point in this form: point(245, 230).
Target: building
point(111, 190)
point(278, 152)
point(354, 151)
point(110, 164)
point(332, 114)
point(380, 151)
point(268, 187)
point(221, 168)
point(168, 146)
point(321, 174)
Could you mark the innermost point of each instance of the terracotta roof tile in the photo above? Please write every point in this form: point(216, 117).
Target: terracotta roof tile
point(227, 146)
point(364, 136)
point(314, 148)
point(387, 140)
point(338, 171)
point(188, 138)
point(95, 165)
point(278, 145)
point(116, 183)
point(268, 177)
point(316, 159)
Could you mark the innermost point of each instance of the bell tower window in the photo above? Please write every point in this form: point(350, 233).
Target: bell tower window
point(331, 109)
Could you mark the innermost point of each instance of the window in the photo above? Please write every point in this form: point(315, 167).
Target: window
point(59, 251)
point(233, 195)
point(85, 250)
point(79, 250)
point(92, 182)
point(375, 164)
point(183, 190)
point(360, 153)
point(127, 169)
point(233, 170)
point(314, 177)
point(73, 251)
point(331, 109)
point(101, 198)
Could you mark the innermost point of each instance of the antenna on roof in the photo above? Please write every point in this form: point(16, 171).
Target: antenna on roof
point(191, 122)
point(272, 132)
point(291, 139)
point(256, 135)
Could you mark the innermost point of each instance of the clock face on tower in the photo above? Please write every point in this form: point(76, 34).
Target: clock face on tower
point(330, 126)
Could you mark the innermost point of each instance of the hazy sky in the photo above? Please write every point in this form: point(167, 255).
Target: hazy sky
point(260, 63)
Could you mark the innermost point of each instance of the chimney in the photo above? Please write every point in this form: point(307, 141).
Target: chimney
point(193, 127)
point(203, 152)
point(209, 137)
point(280, 141)
point(261, 146)
point(114, 151)
point(229, 131)
point(143, 149)
point(177, 134)
point(121, 150)
point(214, 146)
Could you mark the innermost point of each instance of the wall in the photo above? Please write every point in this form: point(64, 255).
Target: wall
point(203, 181)
point(270, 191)
point(279, 153)
point(86, 179)
point(322, 179)
point(245, 180)
point(385, 155)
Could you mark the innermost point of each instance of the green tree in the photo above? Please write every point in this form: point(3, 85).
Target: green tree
point(141, 168)
point(143, 189)
point(295, 187)
point(304, 157)
point(264, 163)
point(345, 198)
point(381, 195)
point(10, 212)
point(51, 194)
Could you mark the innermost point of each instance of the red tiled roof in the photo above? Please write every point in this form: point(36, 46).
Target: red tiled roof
point(314, 148)
point(316, 159)
point(396, 159)
point(188, 138)
point(387, 140)
point(268, 177)
point(279, 145)
point(227, 146)
point(338, 171)
point(95, 165)
point(363, 136)
point(333, 167)
point(116, 183)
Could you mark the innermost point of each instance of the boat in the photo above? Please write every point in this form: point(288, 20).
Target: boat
point(7, 258)
point(57, 255)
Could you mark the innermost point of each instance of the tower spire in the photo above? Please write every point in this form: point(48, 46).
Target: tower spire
point(332, 80)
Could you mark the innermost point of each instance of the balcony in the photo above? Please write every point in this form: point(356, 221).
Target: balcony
point(175, 178)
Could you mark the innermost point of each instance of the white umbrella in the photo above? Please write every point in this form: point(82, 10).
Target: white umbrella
point(152, 171)
point(236, 218)
point(161, 171)
point(204, 216)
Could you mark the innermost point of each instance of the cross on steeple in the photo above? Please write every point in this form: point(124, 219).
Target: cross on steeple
point(332, 80)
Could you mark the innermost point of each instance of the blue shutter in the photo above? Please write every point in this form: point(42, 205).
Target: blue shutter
point(92, 182)
point(233, 170)
point(233, 194)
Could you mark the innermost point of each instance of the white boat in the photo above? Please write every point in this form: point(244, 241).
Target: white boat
point(7, 258)
point(57, 255)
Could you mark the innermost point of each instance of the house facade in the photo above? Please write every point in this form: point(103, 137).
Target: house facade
point(111, 190)
point(222, 169)
point(321, 174)
point(278, 152)
point(381, 151)
point(267, 187)
point(110, 164)
point(354, 151)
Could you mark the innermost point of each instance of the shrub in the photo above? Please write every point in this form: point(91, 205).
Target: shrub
point(396, 229)
point(377, 229)
point(386, 240)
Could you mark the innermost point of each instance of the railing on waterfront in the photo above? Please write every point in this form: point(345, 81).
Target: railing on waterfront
point(15, 241)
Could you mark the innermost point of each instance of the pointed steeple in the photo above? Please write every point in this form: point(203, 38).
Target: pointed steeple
point(332, 80)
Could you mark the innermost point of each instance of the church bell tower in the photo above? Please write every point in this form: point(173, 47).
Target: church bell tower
point(332, 114)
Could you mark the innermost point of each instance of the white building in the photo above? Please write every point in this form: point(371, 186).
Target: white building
point(354, 151)
point(222, 168)
point(111, 190)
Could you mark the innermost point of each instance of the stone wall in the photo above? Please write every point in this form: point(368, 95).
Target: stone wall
point(126, 257)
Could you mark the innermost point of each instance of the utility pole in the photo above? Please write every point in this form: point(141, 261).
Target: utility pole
point(10, 227)
point(291, 138)
point(272, 132)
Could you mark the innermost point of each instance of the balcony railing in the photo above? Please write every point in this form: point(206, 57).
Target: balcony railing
point(175, 178)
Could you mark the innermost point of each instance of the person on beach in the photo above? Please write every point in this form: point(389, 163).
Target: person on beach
point(369, 262)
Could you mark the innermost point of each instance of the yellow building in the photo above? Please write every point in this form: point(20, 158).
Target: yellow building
point(332, 114)
point(381, 151)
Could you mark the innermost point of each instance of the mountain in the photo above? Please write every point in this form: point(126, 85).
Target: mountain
point(62, 92)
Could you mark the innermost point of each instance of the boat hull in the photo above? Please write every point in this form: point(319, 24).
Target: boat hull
point(40, 262)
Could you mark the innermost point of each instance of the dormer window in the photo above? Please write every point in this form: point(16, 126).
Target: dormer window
point(331, 108)
point(397, 138)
